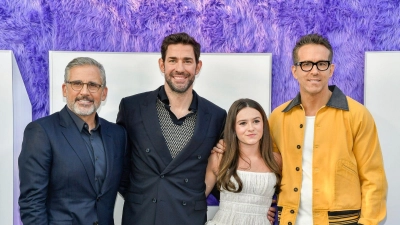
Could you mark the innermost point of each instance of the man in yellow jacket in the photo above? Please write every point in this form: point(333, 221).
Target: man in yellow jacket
point(332, 161)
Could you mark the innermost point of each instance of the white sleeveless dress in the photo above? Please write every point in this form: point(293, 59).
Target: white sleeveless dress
point(251, 205)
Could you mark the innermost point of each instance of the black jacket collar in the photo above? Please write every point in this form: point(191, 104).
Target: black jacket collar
point(338, 100)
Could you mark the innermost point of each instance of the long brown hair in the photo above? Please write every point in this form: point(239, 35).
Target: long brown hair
point(230, 159)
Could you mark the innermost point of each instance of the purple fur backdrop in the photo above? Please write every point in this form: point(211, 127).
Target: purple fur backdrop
point(30, 28)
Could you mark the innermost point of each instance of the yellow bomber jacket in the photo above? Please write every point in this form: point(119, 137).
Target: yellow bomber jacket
point(349, 181)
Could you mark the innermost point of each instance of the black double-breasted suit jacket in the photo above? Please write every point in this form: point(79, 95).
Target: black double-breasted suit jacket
point(157, 188)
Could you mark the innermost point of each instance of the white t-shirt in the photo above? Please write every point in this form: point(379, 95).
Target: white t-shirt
point(304, 216)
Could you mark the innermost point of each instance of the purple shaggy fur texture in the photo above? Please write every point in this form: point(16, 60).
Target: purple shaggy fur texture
point(30, 28)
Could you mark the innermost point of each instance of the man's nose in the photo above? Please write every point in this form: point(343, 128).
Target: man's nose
point(314, 70)
point(85, 89)
point(179, 67)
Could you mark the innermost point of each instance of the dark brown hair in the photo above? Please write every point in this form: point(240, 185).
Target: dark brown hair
point(311, 39)
point(180, 38)
point(230, 159)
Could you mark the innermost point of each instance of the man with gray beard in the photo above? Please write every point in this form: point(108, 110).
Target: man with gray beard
point(70, 164)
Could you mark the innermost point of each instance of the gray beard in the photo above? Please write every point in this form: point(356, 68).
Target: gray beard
point(82, 112)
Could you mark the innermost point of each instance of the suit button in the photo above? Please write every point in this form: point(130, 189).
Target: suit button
point(298, 146)
point(154, 200)
point(297, 168)
point(301, 125)
point(96, 223)
point(290, 223)
point(186, 180)
point(295, 189)
point(147, 150)
point(162, 176)
point(199, 156)
point(292, 211)
point(98, 199)
point(183, 203)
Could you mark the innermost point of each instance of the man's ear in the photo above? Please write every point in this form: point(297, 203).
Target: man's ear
point(294, 69)
point(64, 89)
point(161, 65)
point(104, 94)
point(331, 69)
point(198, 67)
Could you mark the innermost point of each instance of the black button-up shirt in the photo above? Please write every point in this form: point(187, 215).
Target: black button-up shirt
point(94, 145)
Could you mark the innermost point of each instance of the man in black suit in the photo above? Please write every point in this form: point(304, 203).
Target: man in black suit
point(171, 132)
point(70, 164)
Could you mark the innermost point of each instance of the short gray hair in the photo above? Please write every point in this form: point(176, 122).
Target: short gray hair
point(83, 61)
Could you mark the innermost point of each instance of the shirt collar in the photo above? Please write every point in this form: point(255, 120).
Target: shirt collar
point(338, 100)
point(162, 95)
point(80, 123)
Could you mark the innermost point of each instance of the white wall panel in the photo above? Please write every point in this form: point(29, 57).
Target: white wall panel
point(382, 85)
point(16, 112)
point(223, 79)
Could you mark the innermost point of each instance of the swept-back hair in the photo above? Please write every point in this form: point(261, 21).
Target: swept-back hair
point(85, 61)
point(230, 159)
point(311, 39)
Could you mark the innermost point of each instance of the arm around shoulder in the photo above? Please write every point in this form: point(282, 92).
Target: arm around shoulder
point(212, 171)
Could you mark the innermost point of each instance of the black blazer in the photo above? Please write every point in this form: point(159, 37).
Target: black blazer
point(57, 179)
point(158, 189)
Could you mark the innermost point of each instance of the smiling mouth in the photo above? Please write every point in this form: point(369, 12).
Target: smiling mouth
point(180, 77)
point(84, 101)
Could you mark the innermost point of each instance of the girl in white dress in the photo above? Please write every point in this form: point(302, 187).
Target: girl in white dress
point(248, 173)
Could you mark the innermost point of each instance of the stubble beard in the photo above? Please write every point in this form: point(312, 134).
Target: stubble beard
point(176, 89)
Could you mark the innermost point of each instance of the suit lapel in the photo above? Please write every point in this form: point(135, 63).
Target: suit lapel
point(108, 148)
point(71, 133)
point(200, 132)
point(153, 128)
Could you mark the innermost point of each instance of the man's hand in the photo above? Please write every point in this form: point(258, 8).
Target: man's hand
point(271, 213)
point(219, 147)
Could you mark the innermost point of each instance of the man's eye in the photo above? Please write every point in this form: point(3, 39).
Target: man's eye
point(322, 64)
point(306, 64)
point(77, 83)
point(93, 84)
